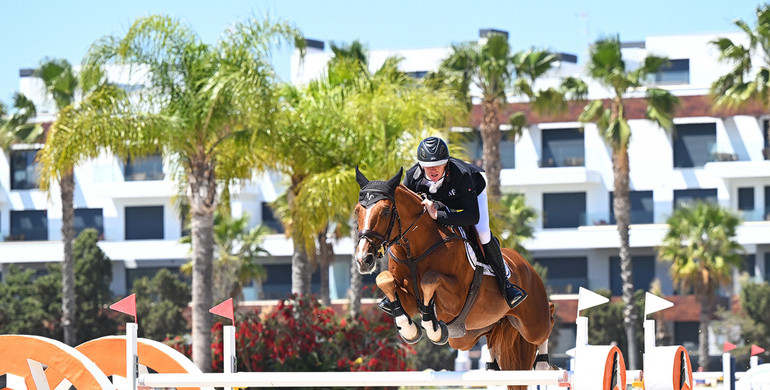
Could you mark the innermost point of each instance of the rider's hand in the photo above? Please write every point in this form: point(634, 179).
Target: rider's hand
point(431, 208)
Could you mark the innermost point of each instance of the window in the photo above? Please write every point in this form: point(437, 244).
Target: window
point(746, 203)
point(565, 274)
point(766, 137)
point(148, 167)
point(563, 148)
point(694, 144)
point(690, 197)
point(767, 203)
point(29, 225)
point(767, 266)
point(564, 210)
point(269, 219)
point(277, 285)
point(473, 145)
point(24, 175)
point(674, 72)
point(89, 218)
point(642, 207)
point(144, 222)
point(686, 334)
point(642, 268)
point(749, 264)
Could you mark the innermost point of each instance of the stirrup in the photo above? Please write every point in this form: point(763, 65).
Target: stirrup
point(384, 305)
point(514, 295)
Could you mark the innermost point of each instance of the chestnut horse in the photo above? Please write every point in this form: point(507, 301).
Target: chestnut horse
point(429, 273)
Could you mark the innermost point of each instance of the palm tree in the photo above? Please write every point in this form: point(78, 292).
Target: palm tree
point(200, 105)
point(700, 244)
point(490, 67)
point(62, 84)
point(348, 117)
point(749, 78)
point(606, 66)
point(515, 221)
point(17, 127)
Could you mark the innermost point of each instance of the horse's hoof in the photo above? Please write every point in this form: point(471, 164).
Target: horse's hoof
point(405, 321)
point(414, 340)
point(542, 363)
point(493, 366)
point(444, 334)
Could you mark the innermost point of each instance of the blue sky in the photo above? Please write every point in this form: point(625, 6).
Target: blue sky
point(33, 29)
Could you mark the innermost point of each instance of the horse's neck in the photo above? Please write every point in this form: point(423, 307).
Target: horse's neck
point(410, 208)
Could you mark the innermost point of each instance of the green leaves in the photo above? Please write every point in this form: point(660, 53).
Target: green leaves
point(701, 246)
point(737, 87)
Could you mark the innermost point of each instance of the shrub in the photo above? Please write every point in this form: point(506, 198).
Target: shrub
point(300, 334)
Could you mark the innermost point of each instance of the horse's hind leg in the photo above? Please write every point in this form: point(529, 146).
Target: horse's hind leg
point(542, 362)
point(407, 329)
point(510, 350)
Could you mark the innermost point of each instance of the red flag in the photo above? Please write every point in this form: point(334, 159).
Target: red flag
point(756, 350)
point(729, 346)
point(126, 305)
point(224, 309)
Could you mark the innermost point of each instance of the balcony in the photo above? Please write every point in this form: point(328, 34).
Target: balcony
point(738, 169)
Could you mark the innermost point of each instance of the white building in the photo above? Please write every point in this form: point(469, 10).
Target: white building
point(564, 172)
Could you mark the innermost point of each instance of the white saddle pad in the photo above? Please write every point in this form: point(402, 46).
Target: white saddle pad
point(474, 262)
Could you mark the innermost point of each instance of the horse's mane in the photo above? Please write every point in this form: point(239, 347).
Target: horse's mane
point(411, 193)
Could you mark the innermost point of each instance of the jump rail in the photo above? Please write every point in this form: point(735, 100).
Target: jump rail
point(349, 379)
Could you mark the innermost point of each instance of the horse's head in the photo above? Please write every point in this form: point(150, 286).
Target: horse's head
point(376, 215)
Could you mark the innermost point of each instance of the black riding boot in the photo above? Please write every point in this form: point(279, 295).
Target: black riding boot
point(513, 294)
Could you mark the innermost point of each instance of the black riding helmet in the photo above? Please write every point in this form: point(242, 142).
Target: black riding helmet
point(432, 152)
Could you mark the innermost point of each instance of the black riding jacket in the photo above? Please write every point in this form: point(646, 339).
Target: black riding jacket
point(456, 198)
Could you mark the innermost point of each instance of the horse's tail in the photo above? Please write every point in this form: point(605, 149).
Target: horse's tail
point(510, 349)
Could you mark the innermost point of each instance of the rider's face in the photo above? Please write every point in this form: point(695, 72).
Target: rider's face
point(435, 173)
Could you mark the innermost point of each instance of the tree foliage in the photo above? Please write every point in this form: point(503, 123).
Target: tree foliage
point(160, 302)
point(35, 301)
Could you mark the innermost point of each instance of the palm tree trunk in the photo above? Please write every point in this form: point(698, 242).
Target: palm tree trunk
point(706, 315)
point(300, 283)
point(622, 208)
point(327, 253)
point(490, 136)
point(202, 204)
point(69, 315)
point(356, 282)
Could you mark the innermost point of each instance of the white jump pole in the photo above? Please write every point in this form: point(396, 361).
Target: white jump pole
point(356, 379)
point(132, 356)
point(228, 339)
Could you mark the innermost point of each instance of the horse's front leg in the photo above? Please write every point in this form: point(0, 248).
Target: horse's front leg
point(407, 329)
point(430, 283)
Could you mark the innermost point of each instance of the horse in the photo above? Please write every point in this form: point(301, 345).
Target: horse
point(429, 273)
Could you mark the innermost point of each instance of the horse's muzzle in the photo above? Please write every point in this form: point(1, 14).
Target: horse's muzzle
point(366, 263)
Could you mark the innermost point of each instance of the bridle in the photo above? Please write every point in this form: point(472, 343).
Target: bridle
point(380, 241)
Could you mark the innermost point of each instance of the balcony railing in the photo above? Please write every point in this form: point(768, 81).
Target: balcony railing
point(566, 162)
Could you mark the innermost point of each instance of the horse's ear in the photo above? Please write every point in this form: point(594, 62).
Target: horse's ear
point(360, 178)
point(395, 180)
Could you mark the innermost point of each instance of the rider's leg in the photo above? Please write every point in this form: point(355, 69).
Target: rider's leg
point(512, 293)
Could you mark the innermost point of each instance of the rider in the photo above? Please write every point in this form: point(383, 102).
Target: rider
point(456, 195)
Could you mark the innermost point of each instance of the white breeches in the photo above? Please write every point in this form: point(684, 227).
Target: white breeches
point(482, 228)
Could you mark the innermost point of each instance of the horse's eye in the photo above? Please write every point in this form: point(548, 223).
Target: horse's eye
point(386, 211)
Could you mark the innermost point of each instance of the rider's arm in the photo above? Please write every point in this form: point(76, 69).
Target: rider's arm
point(468, 214)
